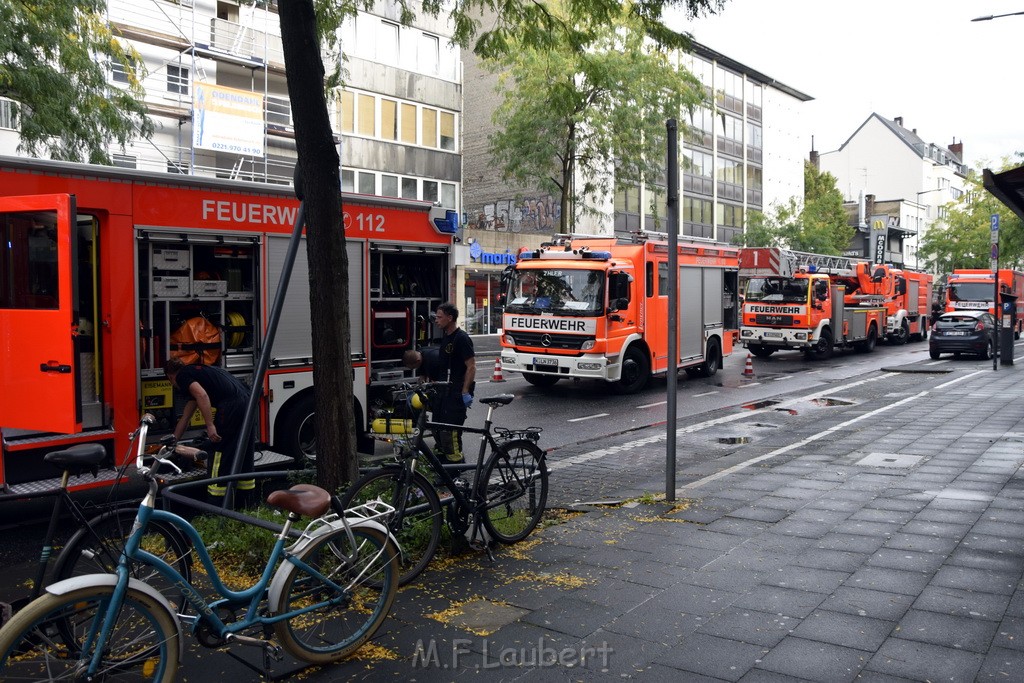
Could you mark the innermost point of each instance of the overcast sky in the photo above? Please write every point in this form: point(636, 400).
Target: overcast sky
point(924, 60)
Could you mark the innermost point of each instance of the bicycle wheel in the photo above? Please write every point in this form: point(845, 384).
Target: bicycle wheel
point(515, 488)
point(51, 639)
point(416, 523)
point(368, 575)
point(95, 549)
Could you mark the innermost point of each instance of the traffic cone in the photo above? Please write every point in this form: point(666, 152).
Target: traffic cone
point(748, 369)
point(496, 377)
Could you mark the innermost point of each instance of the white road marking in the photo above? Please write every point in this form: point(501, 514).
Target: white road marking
point(588, 417)
point(938, 362)
point(652, 405)
point(706, 393)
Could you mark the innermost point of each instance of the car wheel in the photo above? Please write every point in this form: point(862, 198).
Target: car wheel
point(989, 352)
point(934, 354)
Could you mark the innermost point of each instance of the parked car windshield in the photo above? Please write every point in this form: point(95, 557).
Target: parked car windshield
point(970, 291)
point(777, 290)
point(567, 292)
point(963, 319)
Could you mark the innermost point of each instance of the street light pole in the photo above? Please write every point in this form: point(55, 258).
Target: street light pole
point(997, 16)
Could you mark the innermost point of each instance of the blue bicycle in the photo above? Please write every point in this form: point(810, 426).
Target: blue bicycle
point(333, 588)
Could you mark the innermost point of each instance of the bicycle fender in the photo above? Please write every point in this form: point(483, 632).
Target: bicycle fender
point(277, 584)
point(89, 580)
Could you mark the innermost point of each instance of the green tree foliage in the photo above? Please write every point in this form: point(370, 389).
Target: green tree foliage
point(963, 238)
point(817, 225)
point(570, 115)
point(54, 60)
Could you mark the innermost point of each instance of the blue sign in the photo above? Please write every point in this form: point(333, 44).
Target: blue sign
point(995, 222)
point(477, 253)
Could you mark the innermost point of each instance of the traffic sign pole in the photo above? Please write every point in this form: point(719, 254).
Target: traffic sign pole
point(994, 224)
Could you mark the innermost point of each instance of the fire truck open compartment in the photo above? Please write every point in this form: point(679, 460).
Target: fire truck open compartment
point(197, 301)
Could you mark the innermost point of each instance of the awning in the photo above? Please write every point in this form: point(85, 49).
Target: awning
point(1007, 187)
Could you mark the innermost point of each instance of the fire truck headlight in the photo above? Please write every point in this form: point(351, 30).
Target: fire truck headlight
point(587, 345)
point(508, 360)
point(746, 333)
point(509, 340)
point(802, 336)
point(589, 366)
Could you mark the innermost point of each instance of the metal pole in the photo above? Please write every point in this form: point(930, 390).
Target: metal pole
point(995, 285)
point(268, 341)
point(673, 307)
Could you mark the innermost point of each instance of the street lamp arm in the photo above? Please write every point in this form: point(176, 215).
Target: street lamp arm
point(997, 16)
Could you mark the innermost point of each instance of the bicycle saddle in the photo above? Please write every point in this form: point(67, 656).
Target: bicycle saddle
point(302, 499)
point(500, 399)
point(84, 457)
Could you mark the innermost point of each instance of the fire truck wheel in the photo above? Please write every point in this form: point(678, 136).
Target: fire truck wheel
point(712, 359)
point(868, 345)
point(761, 351)
point(823, 349)
point(901, 336)
point(636, 372)
point(541, 380)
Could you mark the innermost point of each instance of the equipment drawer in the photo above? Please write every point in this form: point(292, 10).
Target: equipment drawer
point(167, 286)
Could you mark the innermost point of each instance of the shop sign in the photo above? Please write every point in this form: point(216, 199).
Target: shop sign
point(477, 253)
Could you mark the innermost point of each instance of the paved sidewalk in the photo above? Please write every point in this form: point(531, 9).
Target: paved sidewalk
point(812, 564)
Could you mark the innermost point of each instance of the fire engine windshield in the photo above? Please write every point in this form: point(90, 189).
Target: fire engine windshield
point(970, 291)
point(777, 290)
point(567, 292)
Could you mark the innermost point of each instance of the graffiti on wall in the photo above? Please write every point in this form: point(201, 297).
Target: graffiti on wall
point(533, 214)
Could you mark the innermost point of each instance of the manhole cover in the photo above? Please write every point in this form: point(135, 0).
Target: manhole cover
point(734, 439)
point(894, 460)
point(484, 616)
point(760, 404)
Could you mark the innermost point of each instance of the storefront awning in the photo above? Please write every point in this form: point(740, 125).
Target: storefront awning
point(1007, 187)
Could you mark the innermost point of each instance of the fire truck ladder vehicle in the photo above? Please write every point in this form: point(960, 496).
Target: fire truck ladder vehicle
point(107, 272)
point(597, 308)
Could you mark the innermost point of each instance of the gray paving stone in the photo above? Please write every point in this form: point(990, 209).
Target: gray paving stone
point(947, 516)
point(854, 543)
point(802, 528)
point(982, 559)
point(1002, 664)
point(760, 513)
point(712, 656)
point(887, 503)
point(807, 578)
point(1010, 634)
point(925, 662)
point(920, 543)
point(1001, 583)
point(843, 628)
point(906, 559)
point(787, 601)
point(1016, 606)
point(939, 529)
point(656, 624)
point(872, 529)
point(963, 603)
point(749, 626)
point(620, 595)
point(1000, 529)
point(994, 544)
point(808, 514)
point(888, 580)
point(733, 580)
point(617, 654)
point(757, 675)
point(831, 559)
point(868, 603)
point(962, 633)
point(814, 661)
point(572, 616)
point(739, 527)
point(884, 516)
point(684, 597)
point(780, 503)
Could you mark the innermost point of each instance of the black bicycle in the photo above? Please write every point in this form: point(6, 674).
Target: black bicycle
point(504, 501)
point(101, 531)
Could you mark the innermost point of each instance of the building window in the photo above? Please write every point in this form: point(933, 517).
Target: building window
point(409, 190)
point(409, 123)
point(448, 195)
point(448, 131)
point(388, 119)
point(755, 178)
point(387, 43)
point(428, 127)
point(389, 185)
point(348, 112)
point(428, 53)
point(119, 72)
point(367, 183)
point(366, 124)
point(430, 191)
point(177, 79)
point(124, 161)
point(348, 181)
point(175, 167)
point(7, 118)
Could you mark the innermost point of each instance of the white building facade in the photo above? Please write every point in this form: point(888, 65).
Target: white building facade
point(891, 162)
point(215, 88)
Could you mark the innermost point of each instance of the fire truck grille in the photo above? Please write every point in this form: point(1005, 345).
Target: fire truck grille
point(566, 342)
point(774, 320)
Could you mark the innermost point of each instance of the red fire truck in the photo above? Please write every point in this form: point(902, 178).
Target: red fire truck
point(105, 272)
point(974, 289)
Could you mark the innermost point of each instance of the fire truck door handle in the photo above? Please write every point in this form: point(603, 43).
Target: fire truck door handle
point(54, 366)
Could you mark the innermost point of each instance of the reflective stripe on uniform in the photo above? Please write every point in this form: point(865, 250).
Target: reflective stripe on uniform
point(219, 490)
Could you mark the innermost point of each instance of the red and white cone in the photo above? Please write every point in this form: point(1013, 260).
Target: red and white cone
point(748, 369)
point(496, 376)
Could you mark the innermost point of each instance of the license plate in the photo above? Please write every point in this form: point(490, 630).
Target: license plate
point(545, 361)
point(956, 333)
point(773, 334)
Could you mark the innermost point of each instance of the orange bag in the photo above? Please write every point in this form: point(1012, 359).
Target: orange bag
point(196, 342)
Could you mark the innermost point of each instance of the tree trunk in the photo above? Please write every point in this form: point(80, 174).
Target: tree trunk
point(325, 246)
